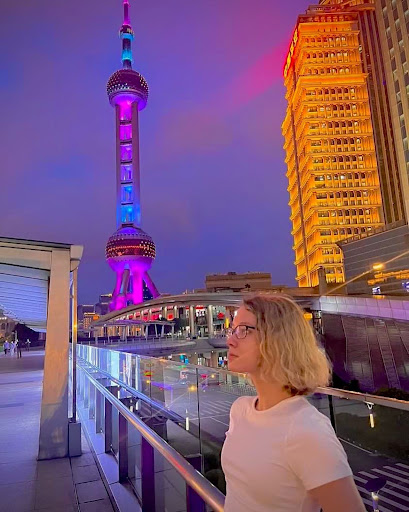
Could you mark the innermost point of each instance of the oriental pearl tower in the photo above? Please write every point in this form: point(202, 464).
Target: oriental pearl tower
point(129, 251)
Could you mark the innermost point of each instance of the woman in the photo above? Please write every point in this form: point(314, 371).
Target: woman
point(280, 453)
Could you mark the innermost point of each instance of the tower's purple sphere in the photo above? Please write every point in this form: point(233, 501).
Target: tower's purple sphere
point(130, 245)
point(128, 81)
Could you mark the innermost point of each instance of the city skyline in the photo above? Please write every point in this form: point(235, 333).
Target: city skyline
point(216, 113)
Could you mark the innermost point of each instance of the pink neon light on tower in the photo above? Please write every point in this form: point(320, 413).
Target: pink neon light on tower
point(130, 251)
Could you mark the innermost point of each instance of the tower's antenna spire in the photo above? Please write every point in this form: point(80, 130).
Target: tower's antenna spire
point(126, 12)
point(126, 33)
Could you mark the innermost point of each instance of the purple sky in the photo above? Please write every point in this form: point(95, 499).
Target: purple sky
point(214, 195)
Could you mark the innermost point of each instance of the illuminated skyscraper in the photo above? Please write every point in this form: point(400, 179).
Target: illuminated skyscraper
point(375, 67)
point(393, 20)
point(334, 184)
point(129, 251)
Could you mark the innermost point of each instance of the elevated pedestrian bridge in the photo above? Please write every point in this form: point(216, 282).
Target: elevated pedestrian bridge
point(127, 401)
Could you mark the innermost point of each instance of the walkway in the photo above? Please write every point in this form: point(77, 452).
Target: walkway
point(63, 485)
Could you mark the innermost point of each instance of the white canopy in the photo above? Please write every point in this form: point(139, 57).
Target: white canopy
point(24, 278)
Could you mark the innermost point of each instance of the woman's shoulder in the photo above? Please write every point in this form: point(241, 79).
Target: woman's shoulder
point(309, 422)
point(241, 404)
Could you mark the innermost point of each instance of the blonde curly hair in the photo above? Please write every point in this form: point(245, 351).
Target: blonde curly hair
point(289, 351)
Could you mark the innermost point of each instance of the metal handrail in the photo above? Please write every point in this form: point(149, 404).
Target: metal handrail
point(207, 491)
point(133, 391)
point(365, 397)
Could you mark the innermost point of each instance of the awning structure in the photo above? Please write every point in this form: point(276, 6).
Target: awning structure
point(37, 283)
point(24, 294)
point(24, 278)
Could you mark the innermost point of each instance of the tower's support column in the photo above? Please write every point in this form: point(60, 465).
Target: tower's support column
point(192, 321)
point(137, 286)
point(214, 359)
point(117, 290)
point(210, 326)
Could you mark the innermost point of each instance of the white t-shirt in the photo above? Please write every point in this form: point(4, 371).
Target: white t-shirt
point(272, 458)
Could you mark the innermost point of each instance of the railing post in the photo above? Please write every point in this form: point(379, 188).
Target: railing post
point(87, 389)
point(332, 413)
point(98, 411)
point(108, 426)
point(81, 385)
point(123, 448)
point(194, 503)
point(92, 393)
point(108, 419)
point(148, 476)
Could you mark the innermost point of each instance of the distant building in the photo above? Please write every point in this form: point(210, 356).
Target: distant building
point(88, 319)
point(6, 325)
point(84, 308)
point(341, 154)
point(232, 281)
point(393, 20)
point(102, 307)
point(359, 256)
point(377, 250)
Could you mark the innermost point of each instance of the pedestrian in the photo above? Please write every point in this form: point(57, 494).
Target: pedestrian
point(12, 348)
point(6, 347)
point(280, 452)
point(28, 343)
point(19, 354)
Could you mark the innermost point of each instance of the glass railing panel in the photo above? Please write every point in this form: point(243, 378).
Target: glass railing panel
point(375, 428)
point(321, 402)
point(134, 459)
point(170, 488)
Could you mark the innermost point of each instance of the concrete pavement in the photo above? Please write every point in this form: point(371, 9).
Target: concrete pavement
point(63, 485)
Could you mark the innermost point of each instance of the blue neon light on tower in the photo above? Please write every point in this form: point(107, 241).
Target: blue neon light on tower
point(130, 251)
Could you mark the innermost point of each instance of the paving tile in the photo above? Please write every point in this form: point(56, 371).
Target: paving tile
point(125, 497)
point(11, 457)
point(96, 506)
point(18, 497)
point(109, 466)
point(54, 468)
point(54, 492)
point(59, 508)
point(83, 474)
point(87, 459)
point(17, 472)
point(91, 491)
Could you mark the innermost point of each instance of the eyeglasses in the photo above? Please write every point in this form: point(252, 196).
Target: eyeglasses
point(240, 331)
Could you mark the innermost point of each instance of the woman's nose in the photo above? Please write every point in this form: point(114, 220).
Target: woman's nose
point(232, 341)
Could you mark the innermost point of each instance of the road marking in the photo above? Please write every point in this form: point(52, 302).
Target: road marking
point(397, 470)
point(381, 509)
point(393, 484)
point(402, 465)
point(385, 499)
point(222, 422)
point(396, 494)
point(355, 446)
point(405, 480)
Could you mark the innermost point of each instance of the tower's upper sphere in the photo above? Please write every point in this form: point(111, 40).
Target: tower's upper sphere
point(131, 244)
point(128, 81)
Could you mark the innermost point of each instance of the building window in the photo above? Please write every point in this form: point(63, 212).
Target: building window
point(127, 214)
point(126, 172)
point(126, 193)
point(126, 153)
point(125, 132)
